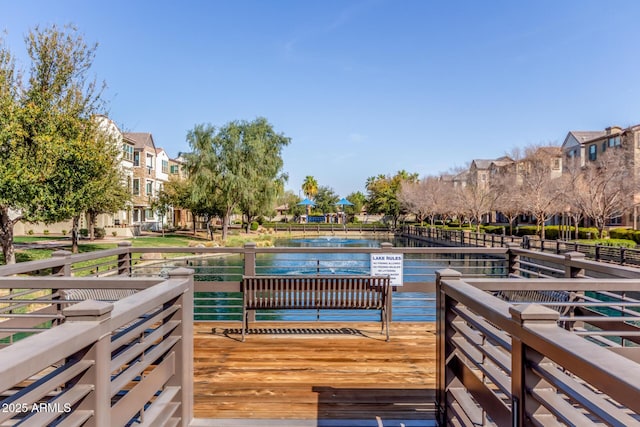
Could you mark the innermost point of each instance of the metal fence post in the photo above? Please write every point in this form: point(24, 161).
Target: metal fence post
point(571, 272)
point(525, 315)
point(98, 375)
point(183, 376)
point(124, 260)
point(442, 352)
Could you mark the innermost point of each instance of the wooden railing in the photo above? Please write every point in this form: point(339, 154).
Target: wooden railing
point(217, 284)
point(521, 363)
point(97, 362)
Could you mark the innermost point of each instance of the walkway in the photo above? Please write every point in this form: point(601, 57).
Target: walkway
point(340, 374)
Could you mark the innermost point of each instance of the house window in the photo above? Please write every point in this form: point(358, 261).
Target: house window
point(136, 158)
point(127, 152)
point(136, 187)
point(165, 166)
point(556, 164)
point(593, 152)
point(175, 169)
point(149, 188)
point(148, 214)
point(149, 163)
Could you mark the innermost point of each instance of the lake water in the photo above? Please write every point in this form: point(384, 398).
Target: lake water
point(407, 306)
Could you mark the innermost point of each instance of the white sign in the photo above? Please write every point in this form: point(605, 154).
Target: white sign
point(388, 265)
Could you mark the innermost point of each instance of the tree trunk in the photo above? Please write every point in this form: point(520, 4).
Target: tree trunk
point(225, 224)
point(75, 234)
point(92, 226)
point(193, 220)
point(6, 236)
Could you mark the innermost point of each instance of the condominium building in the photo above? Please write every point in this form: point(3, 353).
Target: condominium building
point(588, 146)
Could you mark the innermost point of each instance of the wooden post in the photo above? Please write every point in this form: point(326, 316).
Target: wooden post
point(525, 315)
point(442, 305)
point(65, 268)
point(571, 272)
point(250, 258)
point(183, 377)
point(99, 375)
point(250, 269)
point(513, 258)
point(125, 263)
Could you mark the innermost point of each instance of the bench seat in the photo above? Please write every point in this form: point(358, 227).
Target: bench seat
point(316, 292)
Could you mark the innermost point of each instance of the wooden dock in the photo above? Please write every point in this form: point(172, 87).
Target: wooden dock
point(315, 371)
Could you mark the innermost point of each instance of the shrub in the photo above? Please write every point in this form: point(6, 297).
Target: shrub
point(84, 232)
point(30, 232)
point(114, 233)
point(525, 230)
point(99, 232)
point(494, 229)
point(46, 232)
point(588, 233)
point(254, 225)
point(64, 232)
point(622, 233)
point(616, 243)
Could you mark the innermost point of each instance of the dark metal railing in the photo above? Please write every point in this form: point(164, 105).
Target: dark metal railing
point(596, 252)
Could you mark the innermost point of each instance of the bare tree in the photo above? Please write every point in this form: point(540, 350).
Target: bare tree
point(475, 201)
point(541, 189)
point(509, 201)
point(424, 198)
point(605, 188)
point(570, 186)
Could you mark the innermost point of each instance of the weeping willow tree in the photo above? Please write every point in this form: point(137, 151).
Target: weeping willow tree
point(235, 167)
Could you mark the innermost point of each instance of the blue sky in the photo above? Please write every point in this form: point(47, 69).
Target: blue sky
point(362, 87)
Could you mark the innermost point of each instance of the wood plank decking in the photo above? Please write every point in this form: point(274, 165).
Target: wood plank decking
point(328, 371)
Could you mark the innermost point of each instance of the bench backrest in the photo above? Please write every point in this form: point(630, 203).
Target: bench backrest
point(330, 291)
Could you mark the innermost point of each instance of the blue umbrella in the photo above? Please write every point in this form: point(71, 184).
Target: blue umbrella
point(344, 202)
point(306, 202)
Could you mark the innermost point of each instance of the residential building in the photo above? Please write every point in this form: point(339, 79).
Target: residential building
point(587, 146)
point(145, 185)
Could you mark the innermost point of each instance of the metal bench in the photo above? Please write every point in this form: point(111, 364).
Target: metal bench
point(316, 292)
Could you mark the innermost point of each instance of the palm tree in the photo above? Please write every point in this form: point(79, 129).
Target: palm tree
point(310, 189)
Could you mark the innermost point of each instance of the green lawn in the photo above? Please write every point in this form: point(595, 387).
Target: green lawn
point(24, 255)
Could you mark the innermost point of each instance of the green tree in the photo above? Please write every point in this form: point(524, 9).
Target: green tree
point(231, 165)
point(359, 200)
point(15, 172)
point(263, 147)
point(161, 205)
point(52, 148)
point(291, 200)
point(383, 191)
point(326, 199)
